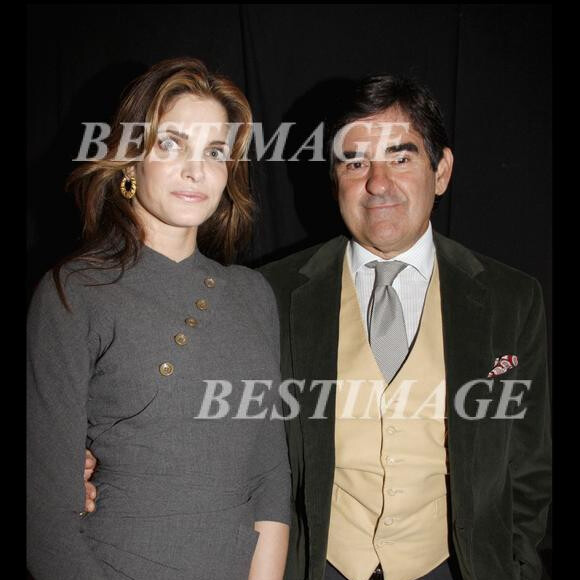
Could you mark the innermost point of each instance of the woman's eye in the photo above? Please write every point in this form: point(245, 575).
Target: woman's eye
point(354, 165)
point(216, 154)
point(168, 144)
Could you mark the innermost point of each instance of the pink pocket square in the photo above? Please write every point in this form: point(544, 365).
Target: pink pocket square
point(503, 364)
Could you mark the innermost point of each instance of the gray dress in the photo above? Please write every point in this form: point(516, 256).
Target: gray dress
point(125, 374)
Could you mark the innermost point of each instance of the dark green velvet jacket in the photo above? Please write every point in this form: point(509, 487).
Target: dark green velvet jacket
point(499, 468)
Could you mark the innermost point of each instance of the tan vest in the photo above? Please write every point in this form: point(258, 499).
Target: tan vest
point(389, 501)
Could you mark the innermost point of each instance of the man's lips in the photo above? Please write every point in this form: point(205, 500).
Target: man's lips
point(190, 196)
point(384, 205)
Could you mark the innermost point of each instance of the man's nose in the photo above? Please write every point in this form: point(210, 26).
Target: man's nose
point(379, 178)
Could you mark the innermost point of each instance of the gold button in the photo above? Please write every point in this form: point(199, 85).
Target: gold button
point(180, 339)
point(191, 321)
point(202, 304)
point(209, 282)
point(166, 369)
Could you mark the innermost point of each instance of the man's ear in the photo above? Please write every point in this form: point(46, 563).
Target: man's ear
point(443, 173)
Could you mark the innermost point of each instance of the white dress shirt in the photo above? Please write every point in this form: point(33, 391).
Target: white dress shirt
point(410, 285)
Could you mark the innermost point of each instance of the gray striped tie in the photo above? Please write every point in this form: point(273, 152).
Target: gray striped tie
point(386, 324)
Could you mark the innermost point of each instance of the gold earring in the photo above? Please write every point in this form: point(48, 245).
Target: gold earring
point(128, 193)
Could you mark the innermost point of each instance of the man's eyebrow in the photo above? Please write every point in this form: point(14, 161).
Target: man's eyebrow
point(408, 146)
point(402, 147)
point(350, 155)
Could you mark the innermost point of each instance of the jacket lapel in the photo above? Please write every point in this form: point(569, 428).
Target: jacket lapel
point(466, 336)
point(313, 310)
point(314, 342)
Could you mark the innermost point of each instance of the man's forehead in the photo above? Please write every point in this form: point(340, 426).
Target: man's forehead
point(394, 114)
point(391, 124)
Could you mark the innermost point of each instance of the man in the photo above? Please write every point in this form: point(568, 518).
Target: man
point(371, 492)
point(423, 431)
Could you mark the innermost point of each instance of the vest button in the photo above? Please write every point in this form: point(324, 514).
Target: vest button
point(389, 521)
point(385, 542)
point(391, 430)
point(390, 460)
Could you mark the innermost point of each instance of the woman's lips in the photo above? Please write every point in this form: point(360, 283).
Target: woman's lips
point(190, 196)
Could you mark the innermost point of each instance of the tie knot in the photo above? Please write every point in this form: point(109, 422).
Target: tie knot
point(386, 272)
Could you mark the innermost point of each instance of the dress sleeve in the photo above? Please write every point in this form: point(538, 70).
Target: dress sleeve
point(61, 349)
point(272, 472)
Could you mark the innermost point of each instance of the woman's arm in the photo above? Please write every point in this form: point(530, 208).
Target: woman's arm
point(269, 558)
point(272, 470)
point(59, 367)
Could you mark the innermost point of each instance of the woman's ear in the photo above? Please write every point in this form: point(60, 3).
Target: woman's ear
point(129, 171)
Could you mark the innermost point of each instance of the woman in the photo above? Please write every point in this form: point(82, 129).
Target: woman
point(126, 338)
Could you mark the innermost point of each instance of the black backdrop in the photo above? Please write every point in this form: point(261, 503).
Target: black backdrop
point(489, 66)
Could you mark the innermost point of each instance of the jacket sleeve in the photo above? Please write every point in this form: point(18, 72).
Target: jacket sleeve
point(272, 472)
point(60, 357)
point(530, 461)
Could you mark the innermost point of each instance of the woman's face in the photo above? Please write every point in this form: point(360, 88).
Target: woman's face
point(181, 181)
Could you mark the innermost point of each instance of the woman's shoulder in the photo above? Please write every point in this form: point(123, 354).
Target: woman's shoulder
point(73, 282)
point(248, 279)
point(84, 272)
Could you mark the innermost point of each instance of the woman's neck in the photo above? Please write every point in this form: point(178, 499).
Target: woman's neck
point(176, 246)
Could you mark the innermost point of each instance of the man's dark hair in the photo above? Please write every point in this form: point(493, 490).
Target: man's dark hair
point(377, 93)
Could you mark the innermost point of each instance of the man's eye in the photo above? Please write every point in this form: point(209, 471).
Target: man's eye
point(168, 144)
point(402, 160)
point(216, 154)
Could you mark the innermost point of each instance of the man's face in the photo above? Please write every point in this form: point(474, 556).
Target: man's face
point(386, 191)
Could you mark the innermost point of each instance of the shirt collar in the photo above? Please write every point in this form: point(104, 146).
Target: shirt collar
point(421, 255)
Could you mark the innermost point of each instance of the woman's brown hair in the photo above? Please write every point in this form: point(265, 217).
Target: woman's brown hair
point(112, 234)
